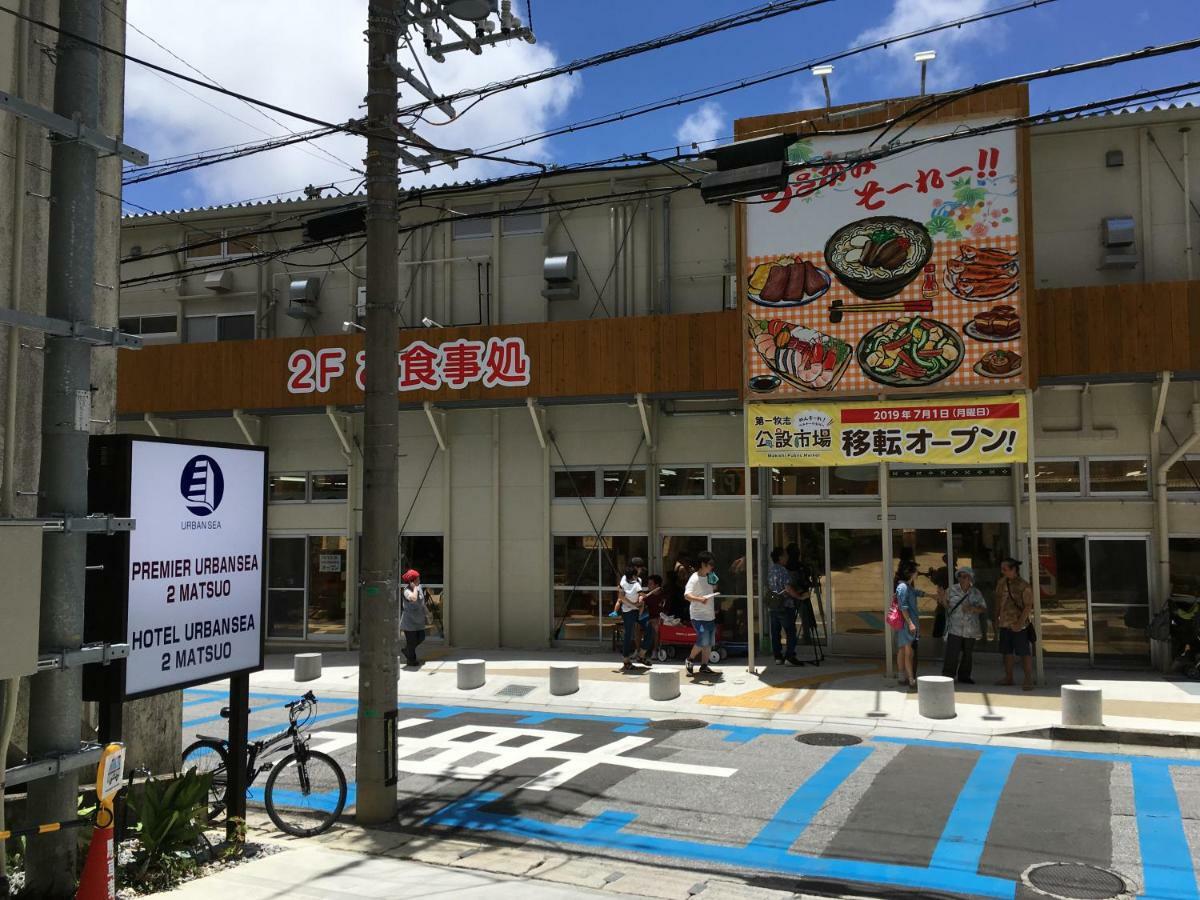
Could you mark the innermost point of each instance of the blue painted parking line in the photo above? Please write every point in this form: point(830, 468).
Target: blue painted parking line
point(966, 831)
point(1166, 858)
point(743, 734)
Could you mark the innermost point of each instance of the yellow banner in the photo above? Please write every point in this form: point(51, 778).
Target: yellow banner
point(977, 431)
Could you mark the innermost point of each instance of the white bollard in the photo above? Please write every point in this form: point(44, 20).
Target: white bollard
point(564, 678)
point(664, 684)
point(471, 674)
point(1082, 705)
point(306, 666)
point(935, 696)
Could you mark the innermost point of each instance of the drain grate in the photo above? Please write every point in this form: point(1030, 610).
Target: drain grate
point(828, 739)
point(516, 690)
point(678, 724)
point(1076, 881)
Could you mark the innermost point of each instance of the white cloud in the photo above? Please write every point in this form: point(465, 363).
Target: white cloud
point(707, 123)
point(309, 56)
point(953, 46)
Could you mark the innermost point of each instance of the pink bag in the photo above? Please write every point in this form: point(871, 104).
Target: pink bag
point(895, 618)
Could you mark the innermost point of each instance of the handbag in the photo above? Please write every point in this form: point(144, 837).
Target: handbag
point(894, 618)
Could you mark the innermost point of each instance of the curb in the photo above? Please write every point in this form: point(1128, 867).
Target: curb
point(1100, 734)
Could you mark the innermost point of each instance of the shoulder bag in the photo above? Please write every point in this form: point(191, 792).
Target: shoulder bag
point(1030, 631)
point(942, 619)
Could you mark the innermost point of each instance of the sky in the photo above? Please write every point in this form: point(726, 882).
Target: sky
point(310, 56)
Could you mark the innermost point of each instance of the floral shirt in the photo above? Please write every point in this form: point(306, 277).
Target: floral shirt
point(962, 618)
point(1014, 603)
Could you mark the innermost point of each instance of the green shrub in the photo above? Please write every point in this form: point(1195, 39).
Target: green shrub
point(170, 820)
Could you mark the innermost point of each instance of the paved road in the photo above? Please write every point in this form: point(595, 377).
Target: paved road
point(890, 814)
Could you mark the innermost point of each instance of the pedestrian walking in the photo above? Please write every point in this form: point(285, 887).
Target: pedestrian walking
point(1014, 617)
point(910, 632)
point(413, 616)
point(701, 594)
point(781, 610)
point(629, 604)
point(653, 603)
point(963, 603)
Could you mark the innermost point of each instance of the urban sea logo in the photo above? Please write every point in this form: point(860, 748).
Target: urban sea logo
point(202, 485)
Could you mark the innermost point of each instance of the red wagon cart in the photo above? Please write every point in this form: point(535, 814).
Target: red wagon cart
point(678, 640)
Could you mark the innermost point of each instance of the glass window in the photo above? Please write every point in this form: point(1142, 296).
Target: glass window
point(286, 488)
point(856, 580)
point(235, 246)
point(727, 481)
point(850, 481)
point(804, 481)
point(211, 245)
point(574, 560)
point(159, 324)
point(235, 328)
point(1184, 476)
point(200, 329)
point(1185, 566)
point(618, 483)
point(1118, 476)
point(1120, 597)
point(586, 572)
point(1062, 571)
point(285, 587)
point(329, 486)
point(573, 483)
point(468, 229)
point(675, 481)
point(424, 552)
point(326, 587)
point(1056, 476)
point(521, 222)
point(130, 324)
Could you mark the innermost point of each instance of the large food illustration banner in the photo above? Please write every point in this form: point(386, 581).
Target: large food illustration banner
point(890, 276)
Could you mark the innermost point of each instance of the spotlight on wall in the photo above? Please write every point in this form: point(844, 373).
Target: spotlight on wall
point(429, 323)
point(823, 72)
point(924, 57)
point(348, 327)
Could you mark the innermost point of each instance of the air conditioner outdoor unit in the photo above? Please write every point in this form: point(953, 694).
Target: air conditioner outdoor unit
point(562, 279)
point(302, 297)
point(1117, 236)
point(221, 282)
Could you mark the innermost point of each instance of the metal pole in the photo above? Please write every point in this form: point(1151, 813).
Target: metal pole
point(885, 539)
point(377, 674)
point(239, 724)
point(1035, 571)
point(56, 696)
point(1187, 203)
point(747, 474)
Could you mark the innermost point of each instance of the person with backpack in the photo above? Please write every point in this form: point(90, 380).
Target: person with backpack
point(909, 631)
point(781, 607)
point(413, 600)
point(963, 604)
point(629, 604)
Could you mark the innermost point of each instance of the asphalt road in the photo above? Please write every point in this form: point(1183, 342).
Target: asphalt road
point(885, 817)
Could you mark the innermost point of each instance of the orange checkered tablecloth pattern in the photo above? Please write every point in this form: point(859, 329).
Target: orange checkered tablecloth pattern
point(948, 309)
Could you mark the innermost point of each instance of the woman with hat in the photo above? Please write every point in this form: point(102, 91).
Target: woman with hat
point(412, 615)
point(963, 604)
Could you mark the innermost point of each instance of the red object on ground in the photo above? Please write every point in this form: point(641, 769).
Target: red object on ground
point(682, 635)
point(98, 881)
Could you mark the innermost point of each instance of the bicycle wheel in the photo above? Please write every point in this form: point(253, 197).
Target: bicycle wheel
point(305, 798)
point(207, 756)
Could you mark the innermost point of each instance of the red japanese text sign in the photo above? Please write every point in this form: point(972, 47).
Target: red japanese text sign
point(966, 431)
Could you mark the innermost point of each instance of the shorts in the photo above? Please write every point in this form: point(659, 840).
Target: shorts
point(1014, 643)
point(706, 633)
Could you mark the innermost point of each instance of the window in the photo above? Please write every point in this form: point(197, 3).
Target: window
point(1117, 476)
point(1185, 566)
point(727, 481)
point(1056, 476)
point(796, 482)
point(205, 329)
point(472, 229)
point(575, 483)
point(618, 483)
point(853, 481)
point(285, 587)
point(286, 488)
point(148, 326)
point(681, 481)
point(328, 486)
point(586, 572)
point(215, 244)
point(521, 222)
point(1184, 476)
point(424, 552)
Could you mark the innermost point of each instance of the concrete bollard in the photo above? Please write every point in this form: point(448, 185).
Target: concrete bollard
point(471, 674)
point(935, 696)
point(306, 666)
point(564, 678)
point(664, 684)
point(1082, 705)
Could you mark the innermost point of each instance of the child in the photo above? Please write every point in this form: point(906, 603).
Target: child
point(653, 600)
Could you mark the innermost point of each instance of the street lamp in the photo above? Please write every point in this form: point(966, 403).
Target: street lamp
point(924, 57)
point(348, 327)
point(429, 323)
point(823, 72)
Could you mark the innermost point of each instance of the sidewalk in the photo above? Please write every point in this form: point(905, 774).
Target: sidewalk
point(842, 694)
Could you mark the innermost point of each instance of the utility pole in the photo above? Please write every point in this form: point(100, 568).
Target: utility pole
point(56, 696)
point(379, 588)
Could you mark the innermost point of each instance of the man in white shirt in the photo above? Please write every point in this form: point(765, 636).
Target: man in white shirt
point(701, 594)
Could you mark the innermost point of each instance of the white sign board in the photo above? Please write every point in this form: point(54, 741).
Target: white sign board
point(195, 564)
point(112, 771)
point(329, 563)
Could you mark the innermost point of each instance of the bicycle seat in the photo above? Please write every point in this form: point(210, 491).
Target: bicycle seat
point(210, 737)
point(224, 712)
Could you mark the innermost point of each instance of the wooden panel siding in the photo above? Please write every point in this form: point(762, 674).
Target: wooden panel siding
point(1114, 329)
point(677, 354)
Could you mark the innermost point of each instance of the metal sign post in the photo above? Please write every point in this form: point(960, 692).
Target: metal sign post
point(239, 724)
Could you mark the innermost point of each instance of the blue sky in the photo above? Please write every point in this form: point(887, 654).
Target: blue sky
point(300, 55)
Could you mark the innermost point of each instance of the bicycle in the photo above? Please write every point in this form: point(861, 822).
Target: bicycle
point(305, 790)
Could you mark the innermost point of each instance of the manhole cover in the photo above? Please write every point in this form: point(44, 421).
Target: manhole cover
point(515, 690)
point(678, 724)
point(1076, 881)
point(828, 739)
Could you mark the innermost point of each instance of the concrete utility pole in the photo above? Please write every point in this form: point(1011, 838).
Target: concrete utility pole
point(56, 696)
point(379, 592)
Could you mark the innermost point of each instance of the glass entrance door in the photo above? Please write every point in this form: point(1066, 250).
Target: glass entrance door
point(306, 587)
